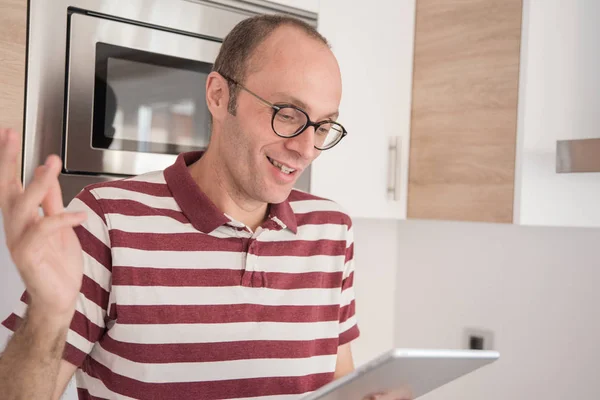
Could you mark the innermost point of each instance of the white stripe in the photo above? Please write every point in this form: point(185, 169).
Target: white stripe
point(96, 387)
point(348, 268)
point(226, 332)
point(20, 309)
point(150, 177)
point(213, 371)
point(306, 232)
point(113, 193)
point(349, 323)
point(124, 256)
point(290, 264)
point(96, 271)
point(306, 206)
point(162, 295)
point(93, 224)
point(90, 310)
point(79, 342)
point(163, 224)
point(347, 297)
point(149, 224)
point(350, 237)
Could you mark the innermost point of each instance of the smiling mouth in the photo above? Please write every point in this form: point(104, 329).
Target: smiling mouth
point(282, 168)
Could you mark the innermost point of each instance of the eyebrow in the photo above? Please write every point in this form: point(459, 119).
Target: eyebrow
point(299, 103)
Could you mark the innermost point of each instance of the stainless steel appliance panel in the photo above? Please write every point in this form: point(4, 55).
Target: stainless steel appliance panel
point(46, 91)
point(85, 32)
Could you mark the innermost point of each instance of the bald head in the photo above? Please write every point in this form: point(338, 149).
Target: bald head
point(236, 55)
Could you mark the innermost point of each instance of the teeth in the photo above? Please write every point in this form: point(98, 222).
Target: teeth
point(282, 167)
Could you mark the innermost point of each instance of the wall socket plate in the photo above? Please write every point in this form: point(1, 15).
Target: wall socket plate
point(478, 339)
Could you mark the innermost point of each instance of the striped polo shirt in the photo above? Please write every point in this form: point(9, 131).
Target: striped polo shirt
point(180, 301)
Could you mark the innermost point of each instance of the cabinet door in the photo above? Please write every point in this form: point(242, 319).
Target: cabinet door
point(374, 47)
point(559, 100)
point(308, 5)
point(13, 24)
point(464, 115)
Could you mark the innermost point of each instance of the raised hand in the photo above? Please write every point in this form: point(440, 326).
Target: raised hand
point(45, 249)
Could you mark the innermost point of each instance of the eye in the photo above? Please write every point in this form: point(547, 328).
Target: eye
point(323, 130)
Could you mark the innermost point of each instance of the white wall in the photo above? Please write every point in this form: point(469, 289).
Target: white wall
point(534, 287)
point(559, 99)
point(376, 263)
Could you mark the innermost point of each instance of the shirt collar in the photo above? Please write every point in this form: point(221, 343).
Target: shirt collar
point(202, 213)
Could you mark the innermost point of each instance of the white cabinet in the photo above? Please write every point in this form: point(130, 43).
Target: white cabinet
point(308, 5)
point(374, 47)
point(559, 99)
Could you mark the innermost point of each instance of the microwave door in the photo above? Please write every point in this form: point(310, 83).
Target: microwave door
point(135, 96)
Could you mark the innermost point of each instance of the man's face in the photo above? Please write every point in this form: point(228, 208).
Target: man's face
point(289, 67)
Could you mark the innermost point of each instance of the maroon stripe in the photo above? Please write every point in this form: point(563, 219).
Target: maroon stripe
point(94, 247)
point(305, 280)
point(137, 276)
point(94, 292)
point(323, 217)
point(300, 248)
point(136, 209)
point(154, 189)
point(349, 335)
point(73, 355)
point(348, 282)
point(12, 322)
point(211, 352)
point(347, 312)
point(86, 328)
point(89, 200)
point(83, 394)
point(25, 297)
point(227, 313)
point(296, 195)
point(350, 252)
point(202, 242)
point(174, 241)
point(223, 389)
point(112, 311)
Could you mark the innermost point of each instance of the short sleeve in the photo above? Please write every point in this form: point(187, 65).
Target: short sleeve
point(348, 324)
point(89, 321)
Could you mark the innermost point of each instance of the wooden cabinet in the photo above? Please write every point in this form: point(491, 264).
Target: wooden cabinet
point(464, 110)
point(457, 130)
point(13, 25)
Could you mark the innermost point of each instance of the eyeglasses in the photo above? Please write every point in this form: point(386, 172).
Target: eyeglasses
point(289, 121)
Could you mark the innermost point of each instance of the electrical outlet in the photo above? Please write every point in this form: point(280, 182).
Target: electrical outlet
point(478, 339)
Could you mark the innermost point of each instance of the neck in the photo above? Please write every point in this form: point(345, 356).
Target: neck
point(215, 181)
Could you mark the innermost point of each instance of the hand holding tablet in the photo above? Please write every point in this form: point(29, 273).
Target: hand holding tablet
point(402, 374)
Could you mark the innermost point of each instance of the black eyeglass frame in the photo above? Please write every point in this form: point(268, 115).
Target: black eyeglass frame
point(276, 109)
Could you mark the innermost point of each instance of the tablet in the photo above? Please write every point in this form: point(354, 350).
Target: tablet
point(419, 370)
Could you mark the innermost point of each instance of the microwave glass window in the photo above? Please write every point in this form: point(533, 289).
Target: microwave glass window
point(147, 102)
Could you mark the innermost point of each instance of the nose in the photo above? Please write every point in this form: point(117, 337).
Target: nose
point(303, 144)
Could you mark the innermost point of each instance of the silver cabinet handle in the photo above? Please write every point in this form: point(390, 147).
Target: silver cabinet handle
point(393, 186)
point(581, 155)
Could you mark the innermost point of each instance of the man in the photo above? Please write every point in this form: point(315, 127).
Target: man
point(212, 279)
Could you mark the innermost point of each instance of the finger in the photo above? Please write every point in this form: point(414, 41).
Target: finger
point(29, 202)
point(10, 187)
point(46, 227)
point(52, 204)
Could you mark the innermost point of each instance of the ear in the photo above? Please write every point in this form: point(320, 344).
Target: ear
point(217, 95)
